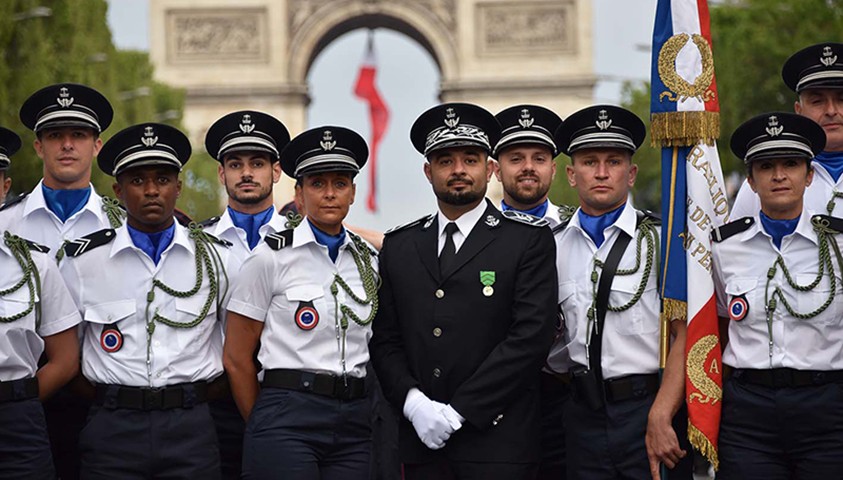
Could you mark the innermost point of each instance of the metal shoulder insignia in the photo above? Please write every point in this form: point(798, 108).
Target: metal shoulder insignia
point(835, 224)
point(279, 240)
point(37, 247)
point(525, 218)
point(732, 228)
point(427, 220)
point(77, 247)
point(209, 222)
point(13, 202)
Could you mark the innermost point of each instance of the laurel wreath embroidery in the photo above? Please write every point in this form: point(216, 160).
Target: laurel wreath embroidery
point(708, 390)
point(679, 88)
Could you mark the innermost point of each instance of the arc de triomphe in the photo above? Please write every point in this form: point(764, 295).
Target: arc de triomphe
point(255, 54)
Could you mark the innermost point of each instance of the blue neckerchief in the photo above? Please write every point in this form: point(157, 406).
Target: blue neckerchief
point(832, 162)
point(778, 228)
point(538, 211)
point(153, 244)
point(333, 242)
point(251, 223)
point(594, 226)
point(64, 203)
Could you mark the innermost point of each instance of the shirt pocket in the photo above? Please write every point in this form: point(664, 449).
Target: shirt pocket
point(810, 301)
point(567, 303)
point(744, 300)
point(16, 303)
point(112, 317)
point(305, 306)
point(187, 311)
point(634, 320)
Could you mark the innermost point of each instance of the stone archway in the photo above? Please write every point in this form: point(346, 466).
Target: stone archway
point(257, 54)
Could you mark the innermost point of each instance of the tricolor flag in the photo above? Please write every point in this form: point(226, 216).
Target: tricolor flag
point(685, 123)
point(366, 89)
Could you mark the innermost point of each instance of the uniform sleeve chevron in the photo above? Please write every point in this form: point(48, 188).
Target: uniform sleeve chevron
point(37, 247)
point(279, 240)
point(77, 247)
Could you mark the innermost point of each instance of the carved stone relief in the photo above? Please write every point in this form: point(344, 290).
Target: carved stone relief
point(526, 27)
point(299, 11)
point(204, 36)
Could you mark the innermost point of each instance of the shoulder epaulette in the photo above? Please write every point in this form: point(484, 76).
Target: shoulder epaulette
point(732, 228)
point(209, 222)
point(426, 219)
point(77, 247)
point(279, 240)
point(217, 240)
point(648, 215)
point(13, 202)
point(562, 226)
point(368, 245)
point(832, 223)
point(525, 218)
point(38, 247)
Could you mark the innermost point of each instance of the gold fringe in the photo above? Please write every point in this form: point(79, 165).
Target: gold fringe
point(703, 445)
point(673, 309)
point(678, 129)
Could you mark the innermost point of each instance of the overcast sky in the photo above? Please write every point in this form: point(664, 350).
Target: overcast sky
point(408, 80)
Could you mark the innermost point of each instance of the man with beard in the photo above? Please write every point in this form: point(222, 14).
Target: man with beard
point(246, 144)
point(525, 167)
point(467, 309)
point(815, 73)
point(150, 293)
point(67, 120)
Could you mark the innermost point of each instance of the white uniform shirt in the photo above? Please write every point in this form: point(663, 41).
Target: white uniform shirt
point(631, 337)
point(740, 265)
point(110, 283)
point(31, 219)
point(274, 284)
point(239, 251)
point(21, 345)
point(817, 196)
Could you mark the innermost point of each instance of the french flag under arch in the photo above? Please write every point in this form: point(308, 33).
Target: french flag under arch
point(685, 123)
point(366, 89)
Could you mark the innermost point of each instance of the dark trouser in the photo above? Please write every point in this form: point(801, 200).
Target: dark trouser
point(385, 462)
point(609, 443)
point(24, 445)
point(554, 394)
point(179, 443)
point(294, 435)
point(781, 433)
point(451, 470)
point(65, 415)
point(230, 426)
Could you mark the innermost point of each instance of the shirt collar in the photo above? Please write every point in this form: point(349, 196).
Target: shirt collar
point(123, 240)
point(627, 221)
point(466, 221)
point(804, 228)
point(276, 223)
point(302, 235)
point(35, 201)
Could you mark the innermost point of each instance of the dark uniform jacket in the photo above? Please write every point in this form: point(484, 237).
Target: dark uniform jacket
point(482, 354)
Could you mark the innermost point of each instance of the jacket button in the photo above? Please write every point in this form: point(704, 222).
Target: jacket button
point(439, 293)
point(437, 332)
point(437, 373)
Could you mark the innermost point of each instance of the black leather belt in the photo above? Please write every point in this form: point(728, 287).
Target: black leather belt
point(349, 388)
point(16, 390)
point(787, 377)
point(631, 386)
point(185, 395)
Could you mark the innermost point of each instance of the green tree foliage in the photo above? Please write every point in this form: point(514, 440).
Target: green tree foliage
point(751, 40)
point(51, 41)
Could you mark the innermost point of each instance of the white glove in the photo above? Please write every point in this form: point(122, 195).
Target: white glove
point(454, 418)
point(431, 425)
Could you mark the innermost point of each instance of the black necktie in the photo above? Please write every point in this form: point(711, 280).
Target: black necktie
point(449, 251)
